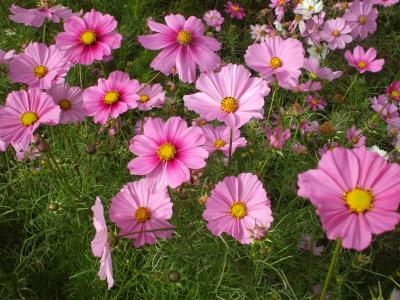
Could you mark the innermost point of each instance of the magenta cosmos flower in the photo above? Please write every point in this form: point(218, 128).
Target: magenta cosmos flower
point(217, 138)
point(6, 57)
point(167, 150)
point(386, 3)
point(100, 244)
point(35, 17)
point(183, 45)
point(231, 96)
point(393, 90)
point(237, 206)
point(23, 113)
point(235, 10)
point(139, 209)
point(356, 193)
point(276, 56)
point(111, 97)
point(312, 65)
point(336, 33)
point(150, 96)
point(361, 16)
point(89, 38)
point(315, 103)
point(39, 66)
point(70, 100)
point(364, 61)
point(214, 19)
point(277, 137)
point(355, 137)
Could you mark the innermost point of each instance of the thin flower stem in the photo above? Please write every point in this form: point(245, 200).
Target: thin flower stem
point(351, 85)
point(44, 31)
point(230, 151)
point(331, 268)
point(150, 230)
point(148, 82)
point(272, 101)
point(80, 76)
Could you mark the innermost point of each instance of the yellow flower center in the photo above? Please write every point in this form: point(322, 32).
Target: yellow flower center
point(142, 214)
point(298, 17)
point(65, 104)
point(111, 97)
point(313, 75)
point(314, 101)
point(281, 2)
point(235, 8)
point(166, 151)
point(336, 33)
point(88, 37)
point(362, 20)
point(275, 62)
point(144, 98)
point(358, 200)
point(219, 143)
point(229, 104)
point(238, 210)
point(29, 118)
point(184, 37)
point(361, 64)
point(40, 71)
point(395, 93)
point(202, 122)
point(310, 8)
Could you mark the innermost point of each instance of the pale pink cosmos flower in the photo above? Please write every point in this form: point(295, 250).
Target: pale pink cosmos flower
point(355, 193)
point(22, 115)
point(231, 96)
point(279, 8)
point(39, 66)
point(6, 57)
point(100, 245)
point(364, 61)
point(355, 137)
point(214, 19)
point(393, 90)
point(315, 103)
point(235, 10)
point(111, 97)
point(27, 153)
point(361, 17)
point(139, 209)
point(386, 3)
point(217, 138)
point(167, 150)
point(313, 32)
point(236, 206)
point(277, 137)
point(70, 100)
point(336, 33)
point(382, 106)
point(260, 32)
point(89, 38)
point(298, 21)
point(312, 65)
point(276, 57)
point(298, 148)
point(150, 96)
point(308, 86)
point(183, 47)
point(35, 17)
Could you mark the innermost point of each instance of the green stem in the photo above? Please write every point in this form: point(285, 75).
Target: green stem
point(44, 31)
point(230, 150)
point(351, 85)
point(80, 76)
point(331, 268)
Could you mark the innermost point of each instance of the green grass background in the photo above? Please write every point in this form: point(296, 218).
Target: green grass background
point(46, 254)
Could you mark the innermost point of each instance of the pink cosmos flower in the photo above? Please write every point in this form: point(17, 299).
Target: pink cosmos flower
point(313, 32)
point(235, 10)
point(315, 103)
point(6, 57)
point(279, 6)
point(355, 137)
point(139, 209)
point(217, 138)
point(364, 61)
point(386, 109)
point(393, 90)
point(100, 244)
point(214, 19)
point(150, 96)
point(27, 153)
point(70, 100)
point(260, 32)
point(236, 206)
point(298, 148)
point(276, 56)
point(35, 17)
point(386, 3)
point(277, 137)
point(111, 97)
point(361, 17)
point(336, 33)
point(184, 46)
point(231, 96)
point(356, 195)
point(23, 113)
point(328, 147)
point(39, 66)
point(308, 86)
point(167, 150)
point(89, 38)
point(312, 65)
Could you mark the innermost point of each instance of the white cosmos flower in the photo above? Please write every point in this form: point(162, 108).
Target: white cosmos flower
point(307, 8)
